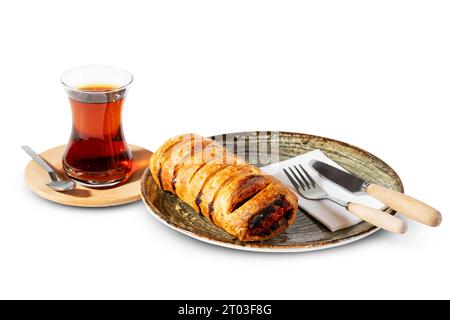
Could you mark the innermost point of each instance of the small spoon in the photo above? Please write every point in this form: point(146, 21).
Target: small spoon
point(57, 185)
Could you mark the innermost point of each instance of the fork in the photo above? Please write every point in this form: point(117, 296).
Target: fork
point(309, 189)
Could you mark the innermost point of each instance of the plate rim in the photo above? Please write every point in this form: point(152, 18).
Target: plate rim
point(288, 249)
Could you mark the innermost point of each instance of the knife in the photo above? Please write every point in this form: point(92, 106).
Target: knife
point(410, 207)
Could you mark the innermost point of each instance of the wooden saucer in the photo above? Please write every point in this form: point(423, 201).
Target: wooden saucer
point(37, 178)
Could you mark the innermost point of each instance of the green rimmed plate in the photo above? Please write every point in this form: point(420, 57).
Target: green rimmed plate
point(306, 234)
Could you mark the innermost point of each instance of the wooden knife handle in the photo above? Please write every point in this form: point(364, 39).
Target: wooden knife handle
point(378, 218)
point(410, 207)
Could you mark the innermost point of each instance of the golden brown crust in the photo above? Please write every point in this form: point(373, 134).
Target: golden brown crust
point(275, 196)
point(185, 170)
point(183, 152)
point(158, 156)
point(236, 196)
point(216, 182)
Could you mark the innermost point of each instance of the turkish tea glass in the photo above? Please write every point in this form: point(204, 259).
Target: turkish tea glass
point(97, 154)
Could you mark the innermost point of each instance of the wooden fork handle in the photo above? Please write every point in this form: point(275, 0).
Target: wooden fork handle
point(407, 206)
point(378, 218)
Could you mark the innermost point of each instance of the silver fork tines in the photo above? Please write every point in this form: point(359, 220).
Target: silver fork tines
point(307, 187)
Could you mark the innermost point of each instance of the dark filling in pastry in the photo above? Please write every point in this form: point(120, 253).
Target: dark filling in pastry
point(247, 190)
point(198, 198)
point(173, 182)
point(271, 218)
point(159, 176)
point(211, 209)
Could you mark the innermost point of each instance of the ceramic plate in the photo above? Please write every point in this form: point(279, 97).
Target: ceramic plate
point(306, 234)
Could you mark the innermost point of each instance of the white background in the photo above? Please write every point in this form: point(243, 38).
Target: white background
point(372, 73)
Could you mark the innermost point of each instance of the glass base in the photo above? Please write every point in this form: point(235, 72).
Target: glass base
point(98, 180)
point(97, 185)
